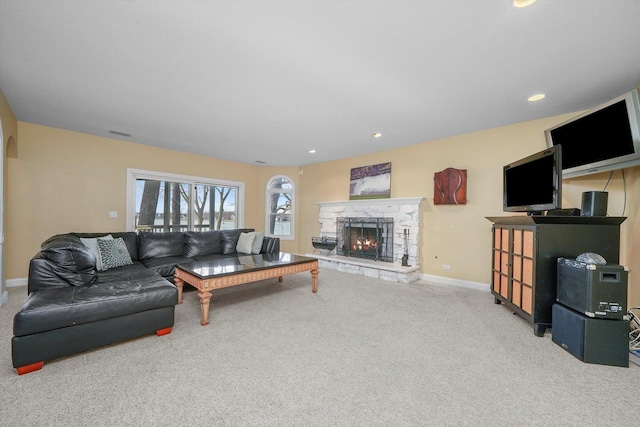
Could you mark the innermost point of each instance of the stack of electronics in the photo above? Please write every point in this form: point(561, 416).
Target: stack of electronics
point(590, 316)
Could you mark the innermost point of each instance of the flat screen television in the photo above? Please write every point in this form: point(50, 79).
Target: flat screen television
point(534, 184)
point(602, 139)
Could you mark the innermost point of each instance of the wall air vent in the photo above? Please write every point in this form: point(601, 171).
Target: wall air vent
point(115, 132)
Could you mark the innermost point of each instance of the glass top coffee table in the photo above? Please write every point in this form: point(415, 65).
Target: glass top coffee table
point(224, 272)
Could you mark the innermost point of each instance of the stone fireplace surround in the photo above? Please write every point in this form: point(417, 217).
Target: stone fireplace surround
point(406, 215)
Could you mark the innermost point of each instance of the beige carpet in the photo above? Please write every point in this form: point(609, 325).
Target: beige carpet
point(359, 352)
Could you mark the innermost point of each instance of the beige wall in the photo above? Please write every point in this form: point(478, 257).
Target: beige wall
point(460, 236)
point(9, 145)
point(9, 124)
point(64, 181)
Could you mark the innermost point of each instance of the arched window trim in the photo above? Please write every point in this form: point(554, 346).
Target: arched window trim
point(268, 212)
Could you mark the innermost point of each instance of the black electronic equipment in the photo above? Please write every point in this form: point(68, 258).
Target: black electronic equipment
point(533, 184)
point(600, 341)
point(594, 203)
point(604, 138)
point(597, 291)
point(564, 212)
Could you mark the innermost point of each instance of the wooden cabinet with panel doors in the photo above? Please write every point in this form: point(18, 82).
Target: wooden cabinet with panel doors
point(525, 250)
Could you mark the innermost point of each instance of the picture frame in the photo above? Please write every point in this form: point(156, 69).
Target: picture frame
point(370, 182)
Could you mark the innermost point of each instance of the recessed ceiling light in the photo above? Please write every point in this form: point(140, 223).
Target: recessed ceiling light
point(312, 151)
point(537, 97)
point(376, 135)
point(520, 4)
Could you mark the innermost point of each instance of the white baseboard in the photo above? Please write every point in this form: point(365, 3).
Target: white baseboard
point(11, 283)
point(456, 282)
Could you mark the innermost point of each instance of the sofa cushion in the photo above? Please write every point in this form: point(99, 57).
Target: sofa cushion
point(42, 275)
point(131, 289)
point(157, 245)
point(165, 266)
point(113, 253)
point(134, 271)
point(199, 243)
point(70, 260)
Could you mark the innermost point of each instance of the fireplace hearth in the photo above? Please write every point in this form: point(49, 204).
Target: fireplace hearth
point(365, 237)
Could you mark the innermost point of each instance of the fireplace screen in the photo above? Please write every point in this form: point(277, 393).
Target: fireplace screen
point(369, 238)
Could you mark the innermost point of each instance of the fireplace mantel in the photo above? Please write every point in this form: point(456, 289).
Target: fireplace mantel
point(398, 201)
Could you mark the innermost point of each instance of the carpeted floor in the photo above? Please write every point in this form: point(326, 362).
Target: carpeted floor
point(359, 352)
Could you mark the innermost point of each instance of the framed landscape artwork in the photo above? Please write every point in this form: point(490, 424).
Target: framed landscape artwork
point(370, 182)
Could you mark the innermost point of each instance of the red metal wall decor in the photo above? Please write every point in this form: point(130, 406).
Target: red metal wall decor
point(450, 187)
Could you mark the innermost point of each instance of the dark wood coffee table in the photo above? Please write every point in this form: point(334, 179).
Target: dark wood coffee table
point(224, 272)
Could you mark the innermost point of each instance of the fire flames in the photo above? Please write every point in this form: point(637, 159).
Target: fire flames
point(364, 244)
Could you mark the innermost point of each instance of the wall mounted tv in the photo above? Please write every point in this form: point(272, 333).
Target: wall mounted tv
point(602, 139)
point(533, 184)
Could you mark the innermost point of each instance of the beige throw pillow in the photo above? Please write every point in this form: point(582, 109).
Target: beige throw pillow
point(245, 243)
point(257, 242)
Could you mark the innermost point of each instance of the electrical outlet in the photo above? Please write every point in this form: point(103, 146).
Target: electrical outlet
point(446, 267)
point(113, 214)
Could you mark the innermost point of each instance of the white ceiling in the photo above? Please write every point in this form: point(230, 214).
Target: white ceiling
point(269, 80)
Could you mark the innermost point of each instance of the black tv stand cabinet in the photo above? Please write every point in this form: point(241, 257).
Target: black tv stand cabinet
point(525, 250)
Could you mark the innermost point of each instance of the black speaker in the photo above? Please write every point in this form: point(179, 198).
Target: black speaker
point(598, 291)
point(594, 203)
point(601, 341)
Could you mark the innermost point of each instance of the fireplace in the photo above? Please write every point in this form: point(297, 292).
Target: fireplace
point(405, 213)
point(364, 237)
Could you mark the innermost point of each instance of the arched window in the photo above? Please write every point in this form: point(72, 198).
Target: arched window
point(280, 207)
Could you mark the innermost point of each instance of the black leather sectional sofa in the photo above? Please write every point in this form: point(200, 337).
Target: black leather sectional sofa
point(72, 306)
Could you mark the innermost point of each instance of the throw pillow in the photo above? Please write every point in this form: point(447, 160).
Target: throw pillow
point(257, 242)
point(92, 244)
point(229, 239)
point(245, 243)
point(114, 253)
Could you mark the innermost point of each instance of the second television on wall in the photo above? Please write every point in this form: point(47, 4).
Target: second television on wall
point(602, 139)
